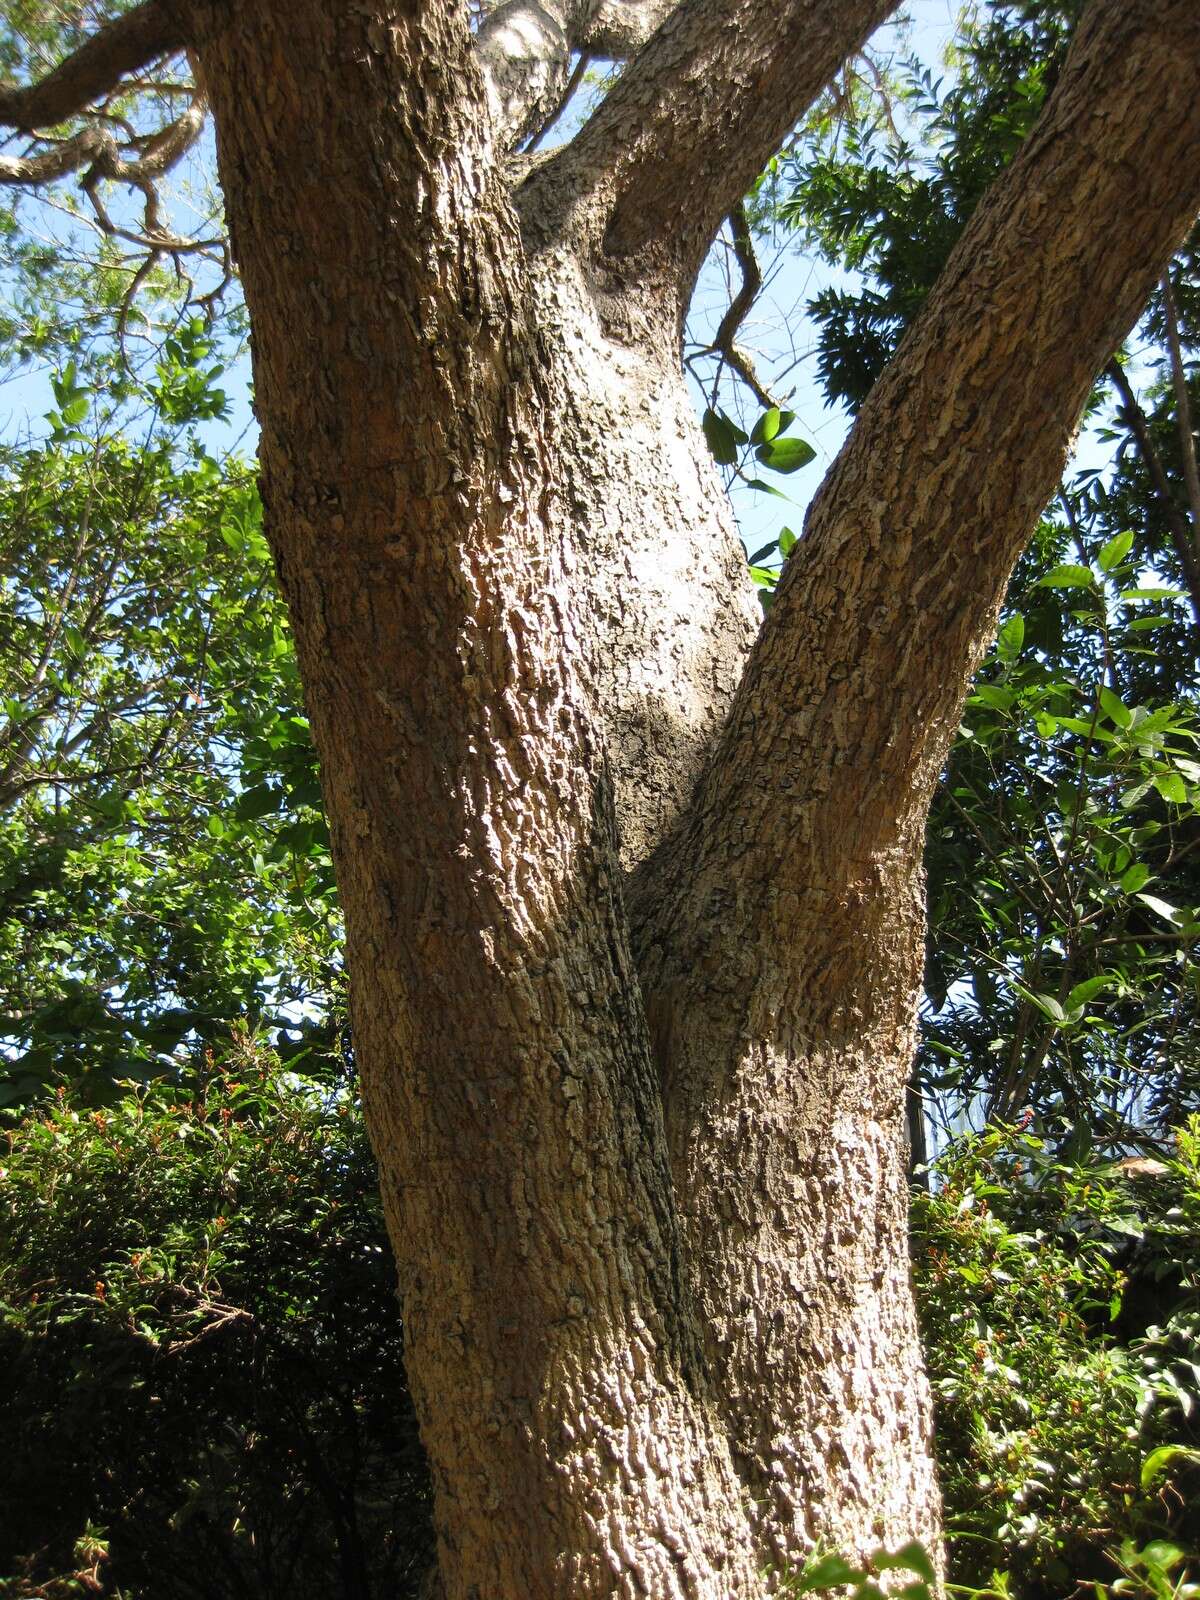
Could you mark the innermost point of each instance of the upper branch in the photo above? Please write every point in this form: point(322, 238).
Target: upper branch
point(524, 50)
point(95, 69)
point(619, 28)
point(824, 773)
point(697, 114)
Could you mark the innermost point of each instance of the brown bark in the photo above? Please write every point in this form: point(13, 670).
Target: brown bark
point(785, 1052)
point(126, 45)
point(650, 1219)
point(407, 480)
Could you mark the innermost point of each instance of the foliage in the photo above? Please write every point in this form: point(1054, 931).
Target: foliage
point(1062, 866)
point(887, 192)
point(830, 1573)
point(1061, 1310)
point(164, 867)
point(199, 1329)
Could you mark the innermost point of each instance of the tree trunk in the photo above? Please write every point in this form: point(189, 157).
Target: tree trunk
point(643, 1169)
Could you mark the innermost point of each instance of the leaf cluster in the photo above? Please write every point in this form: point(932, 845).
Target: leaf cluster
point(199, 1327)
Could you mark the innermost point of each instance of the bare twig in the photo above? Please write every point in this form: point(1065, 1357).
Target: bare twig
point(723, 343)
point(1182, 536)
point(568, 93)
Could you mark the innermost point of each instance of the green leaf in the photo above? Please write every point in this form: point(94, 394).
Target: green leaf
point(1011, 637)
point(1087, 991)
point(1134, 877)
point(723, 437)
point(1169, 913)
point(911, 1557)
point(1115, 707)
point(786, 455)
point(1067, 577)
point(1157, 1464)
point(767, 426)
point(991, 694)
point(1171, 786)
point(1131, 797)
point(787, 542)
point(1115, 551)
point(826, 1572)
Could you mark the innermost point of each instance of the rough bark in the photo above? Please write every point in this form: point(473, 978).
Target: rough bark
point(664, 159)
point(407, 476)
point(649, 1217)
point(786, 1046)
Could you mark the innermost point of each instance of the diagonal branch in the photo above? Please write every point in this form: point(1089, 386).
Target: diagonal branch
point(96, 68)
point(892, 596)
point(696, 115)
point(780, 932)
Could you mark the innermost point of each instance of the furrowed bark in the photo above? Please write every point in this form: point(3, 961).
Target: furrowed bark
point(666, 619)
point(781, 930)
point(412, 499)
point(122, 47)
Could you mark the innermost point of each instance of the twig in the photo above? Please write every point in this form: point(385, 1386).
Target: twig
point(1187, 439)
point(568, 95)
point(1177, 523)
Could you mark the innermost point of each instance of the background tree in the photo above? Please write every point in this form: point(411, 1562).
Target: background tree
point(640, 1147)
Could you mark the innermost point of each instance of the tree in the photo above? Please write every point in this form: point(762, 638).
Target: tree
point(158, 790)
point(632, 897)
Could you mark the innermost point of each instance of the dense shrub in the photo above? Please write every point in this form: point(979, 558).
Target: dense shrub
point(204, 1392)
point(1061, 1310)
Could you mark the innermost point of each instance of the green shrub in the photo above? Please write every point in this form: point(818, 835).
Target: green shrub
point(204, 1390)
point(1061, 1312)
point(206, 1396)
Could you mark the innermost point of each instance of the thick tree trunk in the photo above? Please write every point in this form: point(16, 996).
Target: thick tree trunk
point(649, 1216)
point(634, 919)
point(421, 516)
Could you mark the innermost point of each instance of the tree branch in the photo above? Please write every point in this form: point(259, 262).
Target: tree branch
point(618, 29)
point(891, 598)
point(691, 123)
point(96, 68)
point(573, 83)
point(724, 340)
point(1181, 533)
point(524, 48)
point(780, 930)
